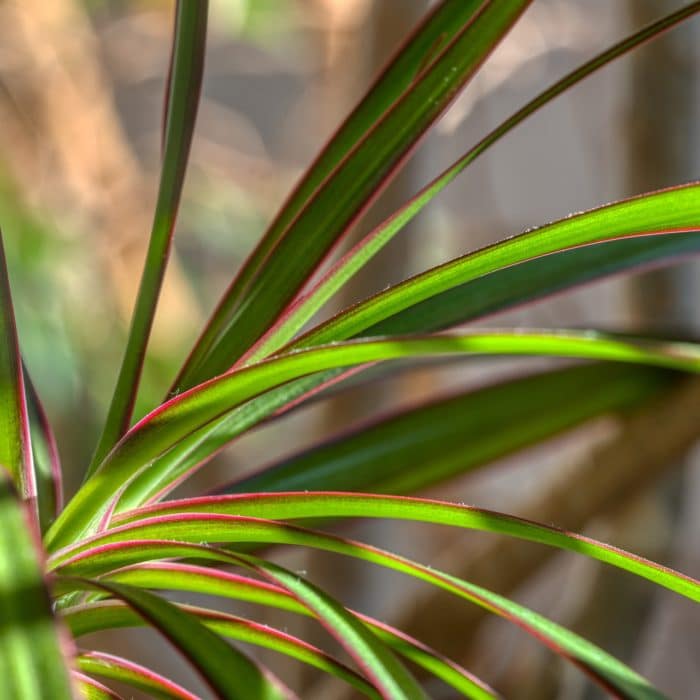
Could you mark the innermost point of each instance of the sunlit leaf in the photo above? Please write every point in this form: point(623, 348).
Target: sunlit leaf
point(189, 41)
point(425, 445)
point(227, 671)
point(33, 664)
point(348, 190)
point(122, 670)
point(603, 668)
point(306, 305)
point(183, 415)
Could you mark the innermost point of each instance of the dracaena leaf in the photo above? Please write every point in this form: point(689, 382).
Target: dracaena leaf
point(184, 85)
point(671, 211)
point(15, 441)
point(425, 43)
point(603, 668)
point(209, 581)
point(47, 463)
point(228, 672)
point(33, 660)
point(306, 305)
point(425, 445)
point(187, 413)
point(124, 671)
point(348, 190)
point(233, 627)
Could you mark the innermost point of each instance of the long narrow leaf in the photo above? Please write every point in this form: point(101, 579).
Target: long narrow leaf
point(33, 665)
point(91, 689)
point(670, 211)
point(47, 463)
point(304, 308)
point(242, 518)
point(15, 442)
point(233, 627)
point(124, 671)
point(602, 667)
point(387, 674)
point(489, 294)
point(228, 672)
point(536, 279)
point(426, 42)
point(351, 187)
point(199, 579)
point(185, 414)
point(183, 98)
point(428, 444)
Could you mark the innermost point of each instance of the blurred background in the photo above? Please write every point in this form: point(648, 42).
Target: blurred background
point(81, 92)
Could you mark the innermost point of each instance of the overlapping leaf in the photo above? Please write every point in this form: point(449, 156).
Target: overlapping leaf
point(189, 41)
point(426, 42)
point(187, 413)
point(422, 446)
point(230, 674)
point(346, 192)
point(33, 664)
point(606, 670)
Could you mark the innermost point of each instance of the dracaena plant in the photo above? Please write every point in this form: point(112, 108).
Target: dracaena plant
point(104, 559)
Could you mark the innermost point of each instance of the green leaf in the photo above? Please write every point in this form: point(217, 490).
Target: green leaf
point(124, 671)
point(426, 42)
point(423, 446)
point(90, 689)
point(226, 625)
point(532, 280)
point(15, 443)
point(243, 518)
point(488, 294)
point(47, 463)
point(209, 581)
point(348, 190)
point(305, 306)
point(32, 662)
point(603, 668)
point(226, 670)
point(184, 86)
point(674, 210)
point(386, 672)
point(182, 416)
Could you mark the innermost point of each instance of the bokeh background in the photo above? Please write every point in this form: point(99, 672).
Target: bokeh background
point(81, 92)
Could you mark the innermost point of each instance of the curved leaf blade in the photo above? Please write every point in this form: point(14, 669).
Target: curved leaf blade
point(33, 665)
point(344, 195)
point(306, 305)
point(671, 211)
point(228, 672)
point(189, 43)
point(422, 446)
point(603, 668)
point(116, 668)
point(209, 581)
point(89, 620)
point(171, 520)
point(185, 414)
point(536, 279)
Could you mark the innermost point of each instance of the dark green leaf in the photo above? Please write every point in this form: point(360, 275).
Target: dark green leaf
point(341, 198)
point(189, 44)
point(227, 671)
point(422, 446)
